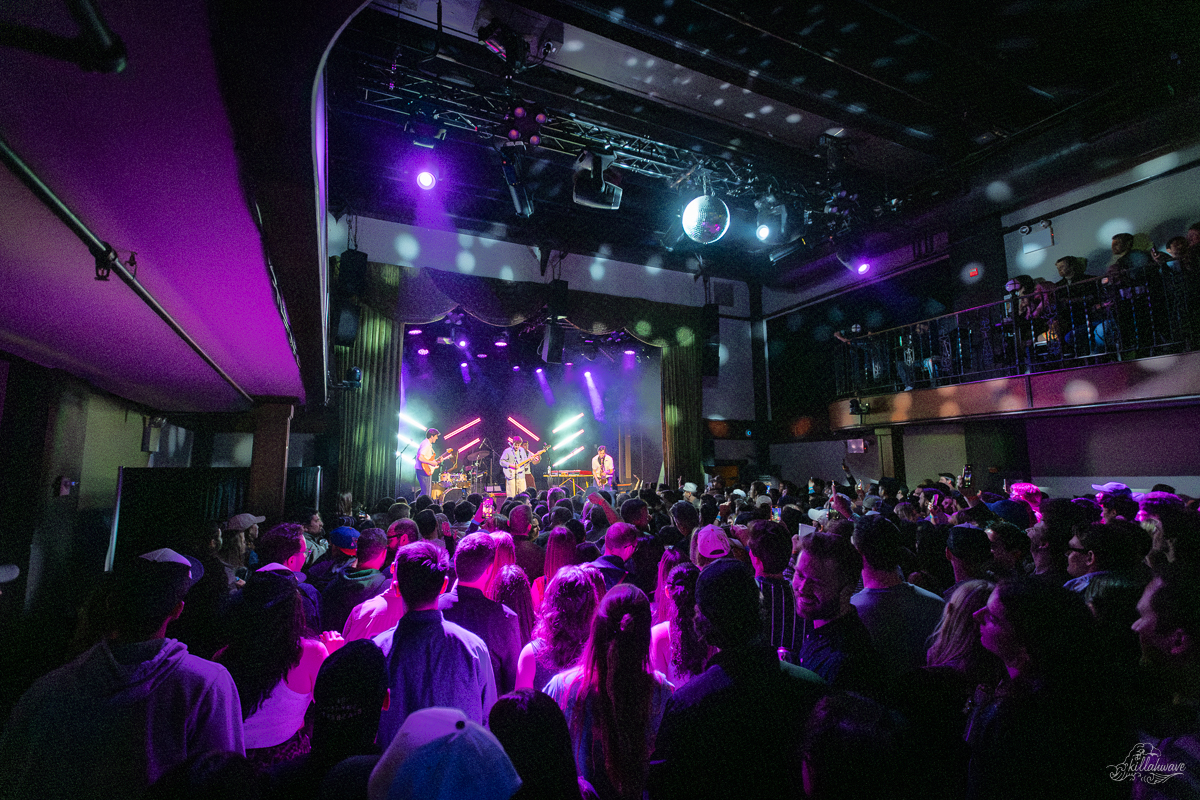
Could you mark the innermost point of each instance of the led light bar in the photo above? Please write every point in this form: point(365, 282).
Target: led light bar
point(566, 424)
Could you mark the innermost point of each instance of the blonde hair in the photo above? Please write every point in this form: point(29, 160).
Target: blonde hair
point(955, 640)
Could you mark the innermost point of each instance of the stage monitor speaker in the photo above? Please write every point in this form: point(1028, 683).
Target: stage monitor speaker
point(352, 272)
point(552, 344)
point(345, 323)
point(710, 355)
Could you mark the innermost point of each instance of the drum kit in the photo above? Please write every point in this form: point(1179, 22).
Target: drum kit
point(454, 486)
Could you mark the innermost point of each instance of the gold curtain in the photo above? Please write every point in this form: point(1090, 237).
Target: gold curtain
point(369, 416)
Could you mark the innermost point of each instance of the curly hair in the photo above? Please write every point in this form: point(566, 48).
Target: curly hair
point(565, 617)
point(264, 634)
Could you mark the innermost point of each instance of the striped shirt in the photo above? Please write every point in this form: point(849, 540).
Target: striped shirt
point(779, 605)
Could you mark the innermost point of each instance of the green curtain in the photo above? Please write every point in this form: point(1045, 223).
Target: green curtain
point(682, 397)
point(395, 296)
point(368, 416)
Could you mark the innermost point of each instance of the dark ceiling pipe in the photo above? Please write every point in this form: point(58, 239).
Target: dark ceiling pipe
point(106, 258)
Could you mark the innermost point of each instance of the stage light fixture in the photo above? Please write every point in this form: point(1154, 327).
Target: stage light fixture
point(538, 370)
point(570, 438)
point(418, 425)
point(426, 179)
point(569, 455)
point(536, 438)
point(510, 165)
point(469, 445)
point(631, 352)
point(771, 224)
point(462, 428)
point(705, 219)
point(462, 342)
point(516, 368)
point(463, 365)
point(414, 331)
point(407, 442)
point(591, 189)
point(575, 418)
point(481, 355)
point(424, 351)
point(524, 123)
point(502, 339)
point(857, 264)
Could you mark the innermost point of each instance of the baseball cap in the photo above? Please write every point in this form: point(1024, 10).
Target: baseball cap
point(1011, 511)
point(9, 572)
point(711, 542)
point(1112, 487)
point(241, 522)
point(167, 555)
point(344, 537)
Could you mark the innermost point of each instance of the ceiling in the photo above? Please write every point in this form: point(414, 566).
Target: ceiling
point(203, 157)
point(926, 105)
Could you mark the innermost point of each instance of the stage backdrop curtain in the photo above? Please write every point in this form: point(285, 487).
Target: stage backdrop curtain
point(414, 296)
point(369, 416)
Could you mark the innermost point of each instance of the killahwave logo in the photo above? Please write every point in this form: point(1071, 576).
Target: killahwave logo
point(1144, 763)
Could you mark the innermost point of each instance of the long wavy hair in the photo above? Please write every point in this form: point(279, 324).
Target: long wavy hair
point(506, 553)
point(565, 618)
point(955, 640)
point(618, 685)
point(264, 634)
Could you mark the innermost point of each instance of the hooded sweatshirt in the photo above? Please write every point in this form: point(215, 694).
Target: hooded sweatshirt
point(115, 719)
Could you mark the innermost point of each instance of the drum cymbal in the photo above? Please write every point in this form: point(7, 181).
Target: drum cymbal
point(478, 454)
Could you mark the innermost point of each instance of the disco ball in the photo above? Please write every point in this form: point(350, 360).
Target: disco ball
point(705, 219)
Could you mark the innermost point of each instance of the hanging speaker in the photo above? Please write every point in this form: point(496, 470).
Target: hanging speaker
point(710, 332)
point(552, 344)
point(352, 272)
point(345, 323)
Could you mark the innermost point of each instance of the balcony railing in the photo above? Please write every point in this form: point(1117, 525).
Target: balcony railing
point(1124, 315)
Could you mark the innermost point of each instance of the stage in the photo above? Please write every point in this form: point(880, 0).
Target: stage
point(479, 385)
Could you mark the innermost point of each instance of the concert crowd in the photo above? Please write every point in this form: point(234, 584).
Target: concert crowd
point(843, 639)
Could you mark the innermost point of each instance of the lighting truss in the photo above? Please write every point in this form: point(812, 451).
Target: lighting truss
point(411, 95)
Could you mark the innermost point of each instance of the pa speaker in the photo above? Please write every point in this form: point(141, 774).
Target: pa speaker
point(352, 272)
point(345, 324)
point(552, 344)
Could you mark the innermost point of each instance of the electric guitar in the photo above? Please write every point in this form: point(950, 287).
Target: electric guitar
point(511, 472)
point(430, 466)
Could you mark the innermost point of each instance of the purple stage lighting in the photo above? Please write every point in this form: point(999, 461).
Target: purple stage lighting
point(864, 268)
point(462, 342)
point(463, 365)
point(631, 352)
point(501, 343)
point(413, 331)
point(424, 351)
point(516, 368)
point(539, 369)
point(426, 179)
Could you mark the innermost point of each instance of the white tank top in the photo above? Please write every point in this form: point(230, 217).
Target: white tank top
point(277, 718)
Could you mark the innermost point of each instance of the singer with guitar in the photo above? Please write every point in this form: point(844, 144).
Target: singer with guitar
point(427, 462)
point(513, 461)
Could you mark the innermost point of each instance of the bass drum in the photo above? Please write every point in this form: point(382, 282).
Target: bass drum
point(453, 495)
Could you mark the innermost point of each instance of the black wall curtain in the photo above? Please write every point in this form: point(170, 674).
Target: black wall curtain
point(369, 417)
point(415, 296)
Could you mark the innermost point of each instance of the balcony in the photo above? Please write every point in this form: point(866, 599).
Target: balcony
point(1128, 337)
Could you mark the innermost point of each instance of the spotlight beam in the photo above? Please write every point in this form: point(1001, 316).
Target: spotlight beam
point(536, 438)
point(567, 424)
point(419, 425)
point(459, 430)
point(568, 455)
point(569, 438)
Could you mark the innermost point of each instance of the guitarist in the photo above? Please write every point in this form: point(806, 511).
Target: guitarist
point(514, 470)
point(426, 461)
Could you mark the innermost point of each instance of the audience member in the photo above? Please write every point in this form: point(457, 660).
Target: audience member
point(135, 705)
point(835, 645)
point(619, 544)
point(746, 695)
point(431, 661)
point(468, 606)
point(612, 701)
point(900, 617)
point(505, 554)
point(676, 649)
point(560, 552)
point(856, 748)
point(564, 621)
point(282, 550)
point(274, 662)
point(514, 592)
point(352, 584)
point(770, 550)
point(534, 733)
